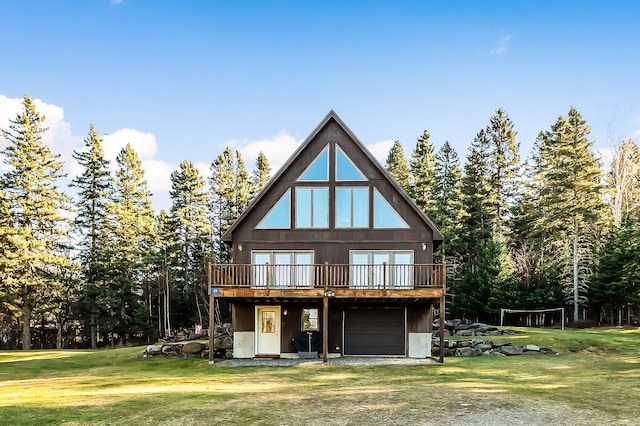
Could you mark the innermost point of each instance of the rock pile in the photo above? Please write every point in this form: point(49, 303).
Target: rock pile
point(172, 347)
point(477, 346)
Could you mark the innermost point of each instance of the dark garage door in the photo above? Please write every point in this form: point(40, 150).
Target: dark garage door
point(375, 331)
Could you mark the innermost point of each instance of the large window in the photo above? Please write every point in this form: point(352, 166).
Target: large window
point(345, 168)
point(318, 170)
point(352, 207)
point(289, 269)
point(279, 217)
point(384, 215)
point(312, 207)
point(378, 269)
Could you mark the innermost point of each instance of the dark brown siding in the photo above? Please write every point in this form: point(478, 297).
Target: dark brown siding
point(243, 317)
point(419, 318)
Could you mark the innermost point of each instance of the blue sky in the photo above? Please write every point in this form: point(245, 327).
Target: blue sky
point(184, 79)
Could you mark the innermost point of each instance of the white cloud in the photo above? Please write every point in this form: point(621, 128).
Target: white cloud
point(144, 144)
point(158, 174)
point(500, 45)
point(380, 150)
point(277, 148)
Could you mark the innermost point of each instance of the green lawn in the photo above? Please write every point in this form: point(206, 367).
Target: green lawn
point(596, 378)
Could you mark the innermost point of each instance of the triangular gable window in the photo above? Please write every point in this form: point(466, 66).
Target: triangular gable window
point(345, 168)
point(385, 216)
point(318, 170)
point(279, 217)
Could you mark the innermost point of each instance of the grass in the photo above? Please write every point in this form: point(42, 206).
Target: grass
point(597, 374)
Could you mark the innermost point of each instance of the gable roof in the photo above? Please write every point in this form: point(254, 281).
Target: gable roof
point(437, 235)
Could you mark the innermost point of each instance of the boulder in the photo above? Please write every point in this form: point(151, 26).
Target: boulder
point(477, 341)
point(468, 352)
point(154, 350)
point(500, 344)
point(532, 348)
point(465, 333)
point(511, 350)
point(548, 351)
point(193, 348)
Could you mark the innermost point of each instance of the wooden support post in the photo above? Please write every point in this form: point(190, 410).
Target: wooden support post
point(442, 310)
point(212, 317)
point(325, 327)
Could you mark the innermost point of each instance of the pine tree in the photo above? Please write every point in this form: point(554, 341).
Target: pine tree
point(37, 232)
point(189, 214)
point(423, 173)
point(230, 195)
point(398, 167)
point(261, 175)
point(131, 228)
point(568, 178)
point(95, 187)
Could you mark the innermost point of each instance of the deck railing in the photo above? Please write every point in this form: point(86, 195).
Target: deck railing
point(325, 276)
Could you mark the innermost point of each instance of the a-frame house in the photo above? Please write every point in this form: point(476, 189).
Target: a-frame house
point(332, 256)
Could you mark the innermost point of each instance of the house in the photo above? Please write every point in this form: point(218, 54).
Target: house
point(332, 256)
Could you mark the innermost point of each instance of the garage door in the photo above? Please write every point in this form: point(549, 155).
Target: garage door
point(375, 331)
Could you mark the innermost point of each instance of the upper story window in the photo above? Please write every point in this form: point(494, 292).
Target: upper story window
point(279, 217)
point(384, 215)
point(318, 170)
point(345, 168)
point(312, 207)
point(352, 207)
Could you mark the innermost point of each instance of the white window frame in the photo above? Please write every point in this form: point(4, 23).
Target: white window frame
point(396, 275)
point(282, 275)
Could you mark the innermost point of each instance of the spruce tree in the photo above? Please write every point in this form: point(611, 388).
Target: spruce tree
point(398, 167)
point(423, 174)
point(95, 187)
point(261, 175)
point(448, 211)
point(131, 227)
point(504, 157)
point(568, 177)
point(189, 214)
point(476, 191)
point(37, 231)
point(230, 195)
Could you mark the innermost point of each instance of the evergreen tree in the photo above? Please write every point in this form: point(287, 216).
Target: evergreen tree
point(449, 213)
point(189, 214)
point(423, 173)
point(95, 187)
point(261, 175)
point(570, 206)
point(617, 282)
point(230, 195)
point(37, 229)
point(131, 228)
point(476, 195)
point(398, 167)
point(504, 157)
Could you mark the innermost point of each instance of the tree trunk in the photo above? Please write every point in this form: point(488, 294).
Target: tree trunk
point(26, 326)
point(59, 343)
point(94, 339)
point(575, 275)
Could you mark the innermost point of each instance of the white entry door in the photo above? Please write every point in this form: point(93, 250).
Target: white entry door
point(267, 330)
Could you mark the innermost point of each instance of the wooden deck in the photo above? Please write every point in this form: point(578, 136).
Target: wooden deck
point(337, 281)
